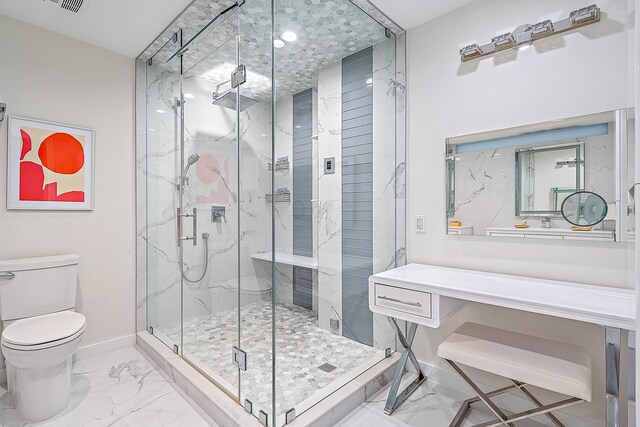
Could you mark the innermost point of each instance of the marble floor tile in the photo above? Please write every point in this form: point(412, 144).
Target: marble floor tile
point(432, 405)
point(119, 388)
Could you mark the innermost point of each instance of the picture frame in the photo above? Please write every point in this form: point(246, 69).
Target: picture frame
point(49, 166)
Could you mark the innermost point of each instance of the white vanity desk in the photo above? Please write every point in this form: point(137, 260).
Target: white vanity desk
point(427, 295)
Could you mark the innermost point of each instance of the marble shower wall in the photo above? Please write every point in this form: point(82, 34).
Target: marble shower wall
point(485, 183)
point(284, 211)
point(329, 204)
point(386, 185)
point(384, 175)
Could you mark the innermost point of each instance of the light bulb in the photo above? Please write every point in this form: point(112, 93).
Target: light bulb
point(289, 36)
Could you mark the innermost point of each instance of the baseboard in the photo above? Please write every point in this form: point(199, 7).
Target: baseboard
point(97, 349)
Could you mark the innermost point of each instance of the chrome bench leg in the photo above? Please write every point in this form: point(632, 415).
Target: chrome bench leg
point(503, 419)
point(395, 399)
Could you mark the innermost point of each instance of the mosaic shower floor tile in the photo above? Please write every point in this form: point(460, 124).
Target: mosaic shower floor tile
point(304, 351)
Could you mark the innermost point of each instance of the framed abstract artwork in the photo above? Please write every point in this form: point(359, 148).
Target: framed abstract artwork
point(50, 166)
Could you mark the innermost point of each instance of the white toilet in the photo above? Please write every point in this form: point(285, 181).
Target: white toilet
point(41, 332)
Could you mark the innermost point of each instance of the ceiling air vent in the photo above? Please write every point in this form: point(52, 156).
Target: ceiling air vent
point(70, 5)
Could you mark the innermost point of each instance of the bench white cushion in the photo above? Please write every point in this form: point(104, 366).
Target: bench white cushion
point(543, 363)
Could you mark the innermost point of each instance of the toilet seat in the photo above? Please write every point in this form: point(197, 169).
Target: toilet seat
point(40, 332)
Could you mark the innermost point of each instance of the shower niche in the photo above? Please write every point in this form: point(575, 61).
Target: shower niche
point(253, 248)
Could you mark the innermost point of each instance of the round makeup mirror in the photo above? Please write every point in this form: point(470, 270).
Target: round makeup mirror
point(584, 208)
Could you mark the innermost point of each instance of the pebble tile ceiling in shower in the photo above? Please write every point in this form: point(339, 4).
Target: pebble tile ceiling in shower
point(327, 31)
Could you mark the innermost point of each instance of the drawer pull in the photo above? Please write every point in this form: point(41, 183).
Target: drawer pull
point(414, 304)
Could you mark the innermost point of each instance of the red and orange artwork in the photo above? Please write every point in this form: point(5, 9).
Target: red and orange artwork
point(49, 166)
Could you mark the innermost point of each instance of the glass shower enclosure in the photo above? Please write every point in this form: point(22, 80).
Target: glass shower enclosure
point(271, 198)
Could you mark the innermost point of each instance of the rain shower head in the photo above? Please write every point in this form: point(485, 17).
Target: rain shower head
point(228, 99)
point(190, 161)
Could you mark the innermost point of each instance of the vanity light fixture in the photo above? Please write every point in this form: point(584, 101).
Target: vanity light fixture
point(524, 35)
point(584, 16)
point(503, 41)
point(542, 29)
point(469, 52)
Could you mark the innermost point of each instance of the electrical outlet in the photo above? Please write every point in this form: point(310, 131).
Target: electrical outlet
point(419, 224)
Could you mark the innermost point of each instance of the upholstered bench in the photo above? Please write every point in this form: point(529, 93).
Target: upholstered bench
point(524, 360)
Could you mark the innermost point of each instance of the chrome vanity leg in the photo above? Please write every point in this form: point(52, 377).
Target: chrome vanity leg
point(632, 379)
point(395, 399)
point(619, 367)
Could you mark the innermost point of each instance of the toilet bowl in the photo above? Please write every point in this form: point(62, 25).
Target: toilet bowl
point(38, 352)
point(41, 332)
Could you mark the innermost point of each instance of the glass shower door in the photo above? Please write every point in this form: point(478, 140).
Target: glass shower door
point(210, 195)
point(163, 165)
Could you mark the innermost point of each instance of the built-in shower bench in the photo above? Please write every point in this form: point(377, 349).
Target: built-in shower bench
point(288, 259)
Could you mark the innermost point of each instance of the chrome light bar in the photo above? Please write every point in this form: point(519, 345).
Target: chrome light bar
point(526, 34)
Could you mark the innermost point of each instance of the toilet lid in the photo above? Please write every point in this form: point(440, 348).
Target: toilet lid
point(44, 329)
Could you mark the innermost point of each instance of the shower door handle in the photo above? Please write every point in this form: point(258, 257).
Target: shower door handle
point(179, 217)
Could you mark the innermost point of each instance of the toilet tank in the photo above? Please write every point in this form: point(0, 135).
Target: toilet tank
point(34, 286)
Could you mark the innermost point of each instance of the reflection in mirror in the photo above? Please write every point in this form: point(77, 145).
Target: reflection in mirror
point(545, 176)
point(513, 182)
point(584, 209)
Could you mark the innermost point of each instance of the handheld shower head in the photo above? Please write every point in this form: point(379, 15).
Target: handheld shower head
point(190, 161)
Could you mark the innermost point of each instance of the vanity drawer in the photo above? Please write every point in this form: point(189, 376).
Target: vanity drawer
point(404, 300)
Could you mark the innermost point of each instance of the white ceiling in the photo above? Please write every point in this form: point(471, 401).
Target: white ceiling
point(123, 26)
point(129, 26)
point(409, 13)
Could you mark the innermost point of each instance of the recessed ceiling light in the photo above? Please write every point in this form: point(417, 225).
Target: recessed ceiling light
point(188, 95)
point(277, 43)
point(160, 111)
point(289, 36)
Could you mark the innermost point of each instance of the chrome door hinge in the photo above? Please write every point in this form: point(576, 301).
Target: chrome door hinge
point(150, 61)
point(239, 358)
point(290, 416)
point(176, 349)
point(239, 76)
point(248, 406)
point(151, 330)
point(263, 417)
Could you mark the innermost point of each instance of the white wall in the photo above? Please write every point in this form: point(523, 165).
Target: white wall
point(47, 76)
point(580, 72)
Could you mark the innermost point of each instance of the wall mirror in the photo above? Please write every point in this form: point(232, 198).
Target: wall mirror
point(513, 182)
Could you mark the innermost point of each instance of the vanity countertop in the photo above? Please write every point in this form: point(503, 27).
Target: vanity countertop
point(601, 305)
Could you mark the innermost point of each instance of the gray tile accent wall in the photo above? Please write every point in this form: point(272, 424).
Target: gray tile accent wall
point(357, 194)
point(302, 195)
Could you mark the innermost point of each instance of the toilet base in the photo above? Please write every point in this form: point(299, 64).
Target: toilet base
point(40, 393)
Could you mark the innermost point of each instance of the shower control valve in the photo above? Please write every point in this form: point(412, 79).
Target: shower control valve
point(218, 214)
